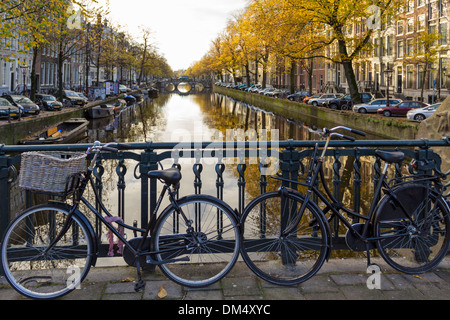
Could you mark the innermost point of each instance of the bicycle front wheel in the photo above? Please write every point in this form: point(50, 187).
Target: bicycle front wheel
point(36, 271)
point(200, 250)
point(412, 230)
point(277, 258)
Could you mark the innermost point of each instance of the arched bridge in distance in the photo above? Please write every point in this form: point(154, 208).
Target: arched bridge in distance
point(183, 86)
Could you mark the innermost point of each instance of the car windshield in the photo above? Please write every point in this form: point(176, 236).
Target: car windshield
point(4, 102)
point(71, 94)
point(434, 106)
point(22, 100)
point(48, 98)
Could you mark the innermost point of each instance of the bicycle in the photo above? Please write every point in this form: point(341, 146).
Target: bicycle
point(48, 250)
point(286, 237)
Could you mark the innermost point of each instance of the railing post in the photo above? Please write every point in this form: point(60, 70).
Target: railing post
point(149, 161)
point(4, 192)
point(289, 161)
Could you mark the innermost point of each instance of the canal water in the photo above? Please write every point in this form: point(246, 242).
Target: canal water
point(204, 117)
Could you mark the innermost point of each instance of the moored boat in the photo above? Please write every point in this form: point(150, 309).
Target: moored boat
point(101, 111)
point(64, 132)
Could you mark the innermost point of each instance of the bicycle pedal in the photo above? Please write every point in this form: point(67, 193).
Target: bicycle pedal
point(139, 285)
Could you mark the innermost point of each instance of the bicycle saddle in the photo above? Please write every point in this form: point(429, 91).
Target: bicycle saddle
point(391, 157)
point(170, 176)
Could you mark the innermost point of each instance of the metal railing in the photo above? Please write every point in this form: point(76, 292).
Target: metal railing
point(292, 155)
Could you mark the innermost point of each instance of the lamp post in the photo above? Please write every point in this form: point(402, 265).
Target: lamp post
point(24, 73)
point(388, 73)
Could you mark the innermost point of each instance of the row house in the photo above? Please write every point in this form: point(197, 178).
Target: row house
point(393, 64)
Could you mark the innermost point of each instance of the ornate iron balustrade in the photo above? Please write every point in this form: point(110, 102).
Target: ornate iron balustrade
point(293, 156)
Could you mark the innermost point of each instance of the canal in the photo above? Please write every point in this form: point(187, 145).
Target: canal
point(205, 117)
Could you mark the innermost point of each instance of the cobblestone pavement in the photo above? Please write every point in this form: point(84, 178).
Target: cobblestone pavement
point(339, 279)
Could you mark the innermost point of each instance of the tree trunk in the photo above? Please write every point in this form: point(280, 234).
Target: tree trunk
point(309, 70)
point(60, 73)
point(349, 72)
point(33, 87)
point(292, 76)
point(247, 71)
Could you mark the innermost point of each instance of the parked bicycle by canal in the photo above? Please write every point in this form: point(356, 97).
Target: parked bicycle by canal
point(286, 236)
point(49, 249)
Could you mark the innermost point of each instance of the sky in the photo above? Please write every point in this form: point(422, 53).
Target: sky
point(181, 30)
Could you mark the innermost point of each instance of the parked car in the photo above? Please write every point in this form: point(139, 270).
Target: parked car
point(276, 93)
point(312, 97)
point(422, 113)
point(266, 91)
point(48, 102)
point(254, 87)
point(329, 96)
point(71, 98)
point(7, 109)
point(25, 105)
point(345, 102)
point(374, 105)
point(401, 109)
point(123, 89)
point(82, 96)
point(298, 96)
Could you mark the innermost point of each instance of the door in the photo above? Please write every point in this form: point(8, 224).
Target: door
point(13, 81)
point(401, 109)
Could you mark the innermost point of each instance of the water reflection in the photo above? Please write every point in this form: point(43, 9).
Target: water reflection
point(199, 117)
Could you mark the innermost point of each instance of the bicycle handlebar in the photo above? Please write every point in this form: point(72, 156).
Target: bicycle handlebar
point(111, 147)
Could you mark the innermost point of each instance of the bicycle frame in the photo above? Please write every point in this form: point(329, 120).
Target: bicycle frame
point(78, 197)
point(331, 203)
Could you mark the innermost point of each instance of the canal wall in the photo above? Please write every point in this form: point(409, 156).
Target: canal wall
point(12, 133)
point(388, 128)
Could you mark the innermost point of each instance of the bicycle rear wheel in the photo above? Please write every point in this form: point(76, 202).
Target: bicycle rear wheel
point(200, 254)
point(283, 260)
point(416, 244)
point(46, 275)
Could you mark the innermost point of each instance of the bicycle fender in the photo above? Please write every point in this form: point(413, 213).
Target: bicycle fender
point(410, 195)
point(90, 229)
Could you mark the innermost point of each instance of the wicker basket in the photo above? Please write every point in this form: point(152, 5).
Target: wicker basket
point(49, 171)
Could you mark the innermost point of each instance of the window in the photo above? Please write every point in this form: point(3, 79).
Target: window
point(400, 49)
point(410, 47)
point(443, 31)
point(409, 77)
point(390, 45)
point(421, 22)
point(409, 5)
point(410, 26)
point(420, 3)
point(399, 27)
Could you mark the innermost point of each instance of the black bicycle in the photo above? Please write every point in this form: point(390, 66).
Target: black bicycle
point(286, 236)
point(48, 249)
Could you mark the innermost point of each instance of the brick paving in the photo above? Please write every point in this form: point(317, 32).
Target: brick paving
point(339, 279)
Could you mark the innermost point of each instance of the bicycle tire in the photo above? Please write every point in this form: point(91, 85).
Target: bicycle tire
point(283, 260)
point(212, 245)
point(46, 276)
point(405, 247)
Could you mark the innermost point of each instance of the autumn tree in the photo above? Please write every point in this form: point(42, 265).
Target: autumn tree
point(338, 16)
point(424, 54)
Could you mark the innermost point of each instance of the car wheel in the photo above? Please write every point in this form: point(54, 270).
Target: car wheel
point(291, 99)
point(345, 107)
point(386, 113)
point(362, 110)
point(314, 104)
point(419, 117)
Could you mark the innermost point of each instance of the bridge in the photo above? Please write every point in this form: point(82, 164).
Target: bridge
point(183, 86)
point(246, 162)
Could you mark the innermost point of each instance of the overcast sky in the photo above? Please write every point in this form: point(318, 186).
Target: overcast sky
point(182, 30)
